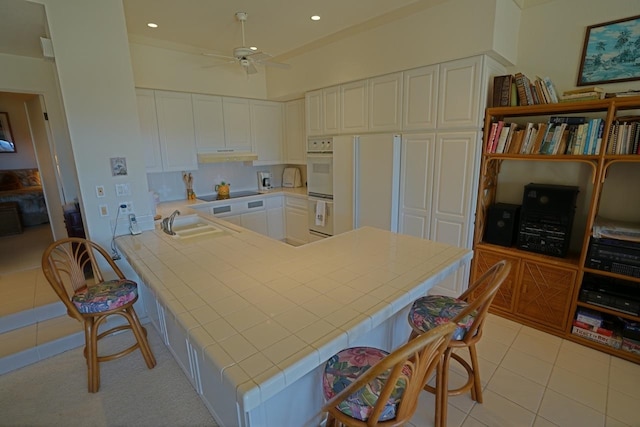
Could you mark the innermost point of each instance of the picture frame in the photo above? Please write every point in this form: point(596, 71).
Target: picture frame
point(610, 52)
point(7, 144)
point(118, 166)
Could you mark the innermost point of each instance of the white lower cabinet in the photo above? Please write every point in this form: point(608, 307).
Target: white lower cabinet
point(275, 217)
point(255, 221)
point(296, 221)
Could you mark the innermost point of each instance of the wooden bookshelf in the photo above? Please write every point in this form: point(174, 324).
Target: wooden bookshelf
point(543, 291)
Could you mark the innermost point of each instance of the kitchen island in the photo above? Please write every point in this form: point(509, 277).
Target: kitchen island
point(252, 320)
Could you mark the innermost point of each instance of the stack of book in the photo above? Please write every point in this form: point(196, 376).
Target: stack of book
point(512, 90)
point(622, 94)
point(624, 136)
point(583, 94)
point(592, 326)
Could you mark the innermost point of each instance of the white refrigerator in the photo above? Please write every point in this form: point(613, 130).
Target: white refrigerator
point(366, 181)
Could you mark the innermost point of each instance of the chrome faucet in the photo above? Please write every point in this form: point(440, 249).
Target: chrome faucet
point(167, 223)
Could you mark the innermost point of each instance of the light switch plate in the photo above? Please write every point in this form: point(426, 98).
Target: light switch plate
point(123, 189)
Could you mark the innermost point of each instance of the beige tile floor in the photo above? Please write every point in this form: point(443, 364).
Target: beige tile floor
point(530, 378)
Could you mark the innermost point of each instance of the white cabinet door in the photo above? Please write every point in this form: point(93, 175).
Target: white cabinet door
point(149, 129)
point(237, 123)
point(314, 113)
point(420, 98)
point(275, 217)
point(233, 219)
point(266, 131)
point(385, 103)
point(208, 120)
point(459, 93)
point(295, 151)
point(453, 201)
point(175, 127)
point(416, 182)
point(331, 110)
point(256, 221)
point(296, 221)
point(355, 107)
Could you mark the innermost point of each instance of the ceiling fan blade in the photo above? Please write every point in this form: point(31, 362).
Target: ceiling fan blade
point(258, 56)
point(217, 55)
point(251, 69)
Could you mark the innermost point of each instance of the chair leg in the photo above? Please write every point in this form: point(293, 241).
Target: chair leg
point(476, 390)
point(141, 336)
point(91, 350)
point(442, 391)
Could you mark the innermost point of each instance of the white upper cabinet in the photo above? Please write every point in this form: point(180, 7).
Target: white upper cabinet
point(314, 113)
point(355, 107)
point(385, 103)
point(331, 110)
point(208, 120)
point(149, 129)
point(295, 150)
point(266, 130)
point(459, 86)
point(237, 123)
point(420, 98)
point(175, 129)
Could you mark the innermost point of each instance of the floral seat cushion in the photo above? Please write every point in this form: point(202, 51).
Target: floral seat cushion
point(433, 310)
point(344, 367)
point(105, 296)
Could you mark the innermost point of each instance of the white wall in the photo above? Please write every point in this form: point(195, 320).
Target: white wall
point(552, 35)
point(450, 30)
point(96, 82)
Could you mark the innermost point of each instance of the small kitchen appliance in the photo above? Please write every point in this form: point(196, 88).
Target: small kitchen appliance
point(291, 178)
point(264, 181)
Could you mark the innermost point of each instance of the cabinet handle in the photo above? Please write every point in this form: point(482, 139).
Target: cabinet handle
point(221, 209)
point(256, 204)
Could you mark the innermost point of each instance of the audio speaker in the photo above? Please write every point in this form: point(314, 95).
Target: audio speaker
point(501, 224)
point(550, 198)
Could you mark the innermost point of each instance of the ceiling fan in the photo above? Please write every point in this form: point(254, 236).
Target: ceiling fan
point(247, 57)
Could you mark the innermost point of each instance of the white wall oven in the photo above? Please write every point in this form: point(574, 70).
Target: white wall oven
point(320, 186)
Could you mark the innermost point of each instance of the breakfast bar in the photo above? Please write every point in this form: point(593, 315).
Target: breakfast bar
point(252, 320)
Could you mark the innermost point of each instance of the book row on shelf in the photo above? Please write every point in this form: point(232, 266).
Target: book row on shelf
point(512, 90)
point(606, 329)
point(564, 136)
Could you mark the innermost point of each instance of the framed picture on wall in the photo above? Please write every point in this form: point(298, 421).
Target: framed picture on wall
point(7, 144)
point(611, 52)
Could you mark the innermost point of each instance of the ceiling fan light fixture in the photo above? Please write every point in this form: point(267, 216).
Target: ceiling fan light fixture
point(253, 48)
point(152, 25)
point(315, 17)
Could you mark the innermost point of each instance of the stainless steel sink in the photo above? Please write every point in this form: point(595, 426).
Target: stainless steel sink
point(189, 226)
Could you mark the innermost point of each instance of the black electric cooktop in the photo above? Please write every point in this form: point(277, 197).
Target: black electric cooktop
point(232, 195)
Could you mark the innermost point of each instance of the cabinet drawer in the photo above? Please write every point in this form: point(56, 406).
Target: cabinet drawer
point(274, 202)
point(295, 202)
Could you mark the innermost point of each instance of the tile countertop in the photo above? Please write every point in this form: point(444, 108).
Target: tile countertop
point(269, 313)
point(165, 208)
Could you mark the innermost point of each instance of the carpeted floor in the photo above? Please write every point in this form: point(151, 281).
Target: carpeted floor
point(54, 392)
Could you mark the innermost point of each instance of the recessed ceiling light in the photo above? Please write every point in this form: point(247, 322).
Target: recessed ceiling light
point(253, 48)
point(152, 25)
point(315, 18)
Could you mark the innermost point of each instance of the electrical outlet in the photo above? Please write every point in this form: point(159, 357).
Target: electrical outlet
point(100, 190)
point(104, 210)
point(127, 209)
